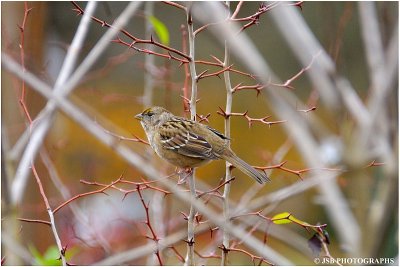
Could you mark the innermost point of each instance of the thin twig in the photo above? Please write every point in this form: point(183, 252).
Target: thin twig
point(51, 216)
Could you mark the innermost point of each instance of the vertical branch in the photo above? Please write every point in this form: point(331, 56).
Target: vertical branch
point(153, 236)
point(149, 59)
point(192, 66)
point(51, 216)
point(228, 174)
point(189, 260)
point(190, 242)
point(22, 58)
point(185, 88)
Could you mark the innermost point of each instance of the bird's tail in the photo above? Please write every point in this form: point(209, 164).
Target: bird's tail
point(259, 176)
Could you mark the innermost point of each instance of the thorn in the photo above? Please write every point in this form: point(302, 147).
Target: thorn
point(185, 217)
point(104, 193)
point(201, 75)
point(258, 91)
point(216, 59)
point(222, 113)
point(169, 55)
point(190, 242)
point(236, 87)
point(283, 163)
point(186, 99)
point(64, 250)
point(224, 249)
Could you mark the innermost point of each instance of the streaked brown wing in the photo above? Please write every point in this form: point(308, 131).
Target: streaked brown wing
point(185, 143)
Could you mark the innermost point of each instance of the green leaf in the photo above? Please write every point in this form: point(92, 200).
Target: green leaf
point(52, 256)
point(160, 29)
point(49, 258)
point(36, 254)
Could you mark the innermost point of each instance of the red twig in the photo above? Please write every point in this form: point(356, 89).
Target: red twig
point(251, 20)
point(50, 212)
point(185, 88)
point(250, 120)
point(203, 117)
point(252, 256)
point(39, 182)
point(147, 51)
point(296, 172)
point(258, 88)
point(135, 40)
point(256, 213)
point(216, 188)
point(180, 257)
point(143, 185)
point(217, 73)
point(236, 12)
point(87, 194)
point(175, 5)
point(298, 3)
point(122, 138)
point(255, 18)
point(35, 221)
point(22, 58)
point(288, 82)
point(374, 163)
point(220, 64)
point(148, 223)
point(211, 256)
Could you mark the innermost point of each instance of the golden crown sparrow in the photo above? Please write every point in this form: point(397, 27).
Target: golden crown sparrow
point(187, 144)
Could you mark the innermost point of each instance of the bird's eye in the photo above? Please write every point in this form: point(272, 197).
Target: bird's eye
point(149, 113)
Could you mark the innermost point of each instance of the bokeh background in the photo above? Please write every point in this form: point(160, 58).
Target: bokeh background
point(112, 93)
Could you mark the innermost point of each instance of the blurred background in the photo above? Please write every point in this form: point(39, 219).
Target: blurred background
point(113, 92)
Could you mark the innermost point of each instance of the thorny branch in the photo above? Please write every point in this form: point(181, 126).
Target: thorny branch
point(22, 27)
point(87, 193)
point(252, 256)
point(250, 120)
point(147, 222)
point(51, 216)
point(135, 40)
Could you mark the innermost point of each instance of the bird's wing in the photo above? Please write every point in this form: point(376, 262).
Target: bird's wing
point(176, 135)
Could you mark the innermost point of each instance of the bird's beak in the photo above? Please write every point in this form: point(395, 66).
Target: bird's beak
point(139, 116)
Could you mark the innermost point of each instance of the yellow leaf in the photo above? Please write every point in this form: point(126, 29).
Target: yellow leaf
point(282, 218)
